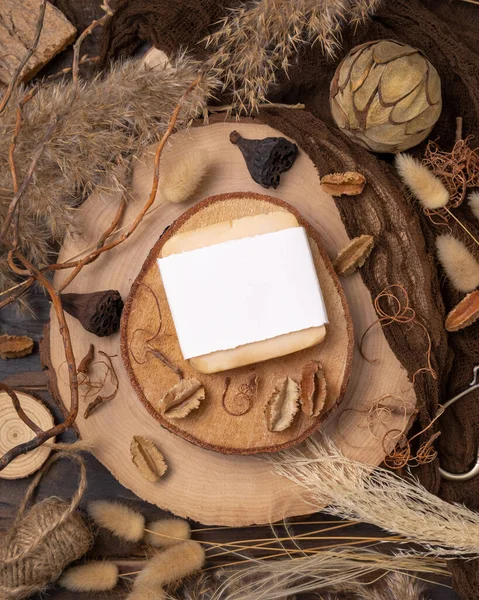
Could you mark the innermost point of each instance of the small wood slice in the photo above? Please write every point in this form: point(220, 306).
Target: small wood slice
point(229, 420)
point(13, 431)
point(210, 487)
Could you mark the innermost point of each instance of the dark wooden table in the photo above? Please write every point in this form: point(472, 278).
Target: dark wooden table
point(62, 479)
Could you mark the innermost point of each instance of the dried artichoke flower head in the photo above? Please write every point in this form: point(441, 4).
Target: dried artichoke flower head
point(386, 96)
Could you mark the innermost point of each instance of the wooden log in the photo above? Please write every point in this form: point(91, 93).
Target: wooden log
point(208, 486)
point(18, 21)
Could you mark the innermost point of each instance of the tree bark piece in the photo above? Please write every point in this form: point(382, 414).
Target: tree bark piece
point(18, 19)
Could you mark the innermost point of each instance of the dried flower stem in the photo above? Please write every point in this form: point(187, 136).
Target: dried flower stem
point(39, 276)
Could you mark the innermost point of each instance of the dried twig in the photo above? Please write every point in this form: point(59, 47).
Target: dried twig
point(40, 276)
point(29, 53)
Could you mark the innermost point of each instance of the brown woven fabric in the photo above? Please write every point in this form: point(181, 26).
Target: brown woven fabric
point(446, 30)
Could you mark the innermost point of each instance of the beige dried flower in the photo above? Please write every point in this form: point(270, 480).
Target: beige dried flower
point(181, 180)
point(120, 519)
point(94, 576)
point(282, 407)
point(460, 265)
point(425, 186)
point(474, 203)
point(256, 40)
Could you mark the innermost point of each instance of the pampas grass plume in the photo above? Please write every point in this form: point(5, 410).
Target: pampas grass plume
point(167, 532)
point(173, 564)
point(95, 576)
point(180, 182)
point(121, 520)
point(474, 203)
point(460, 265)
point(425, 186)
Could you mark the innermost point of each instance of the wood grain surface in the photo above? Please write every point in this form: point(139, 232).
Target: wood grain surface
point(204, 485)
point(147, 313)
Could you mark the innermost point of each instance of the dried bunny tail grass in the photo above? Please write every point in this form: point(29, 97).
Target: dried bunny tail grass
point(257, 39)
point(95, 576)
point(357, 491)
point(111, 118)
point(120, 519)
point(395, 586)
point(426, 187)
point(460, 265)
point(340, 569)
point(474, 203)
point(181, 181)
point(167, 532)
point(171, 565)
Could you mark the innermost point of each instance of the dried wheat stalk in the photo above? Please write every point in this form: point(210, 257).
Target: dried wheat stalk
point(354, 490)
point(336, 570)
point(257, 39)
point(87, 148)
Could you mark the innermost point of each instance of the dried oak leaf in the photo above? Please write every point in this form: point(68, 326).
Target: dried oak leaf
point(350, 183)
point(15, 346)
point(147, 458)
point(465, 313)
point(182, 398)
point(354, 255)
point(282, 407)
point(313, 389)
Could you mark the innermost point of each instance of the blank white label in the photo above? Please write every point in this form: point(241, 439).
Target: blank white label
point(242, 291)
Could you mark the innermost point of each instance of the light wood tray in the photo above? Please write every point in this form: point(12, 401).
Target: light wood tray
point(147, 316)
point(207, 486)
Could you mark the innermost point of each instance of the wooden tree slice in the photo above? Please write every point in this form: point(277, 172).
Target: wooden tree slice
point(13, 431)
point(207, 486)
point(147, 319)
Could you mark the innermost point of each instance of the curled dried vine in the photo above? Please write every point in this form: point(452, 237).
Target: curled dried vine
point(457, 169)
point(392, 308)
point(99, 400)
point(107, 242)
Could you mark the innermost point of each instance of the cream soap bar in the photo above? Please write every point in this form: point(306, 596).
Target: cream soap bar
point(256, 351)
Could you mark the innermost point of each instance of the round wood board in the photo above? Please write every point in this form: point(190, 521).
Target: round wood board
point(147, 316)
point(13, 431)
point(210, 487)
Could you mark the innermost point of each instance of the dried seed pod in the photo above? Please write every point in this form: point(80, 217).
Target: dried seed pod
point(465, 313)
point(354, 255)
point(98, 312)
point(313, 389)
point(266, 159)
point(182, 398)
point(147, 458)
point(282, 407)
point(350, 183)
point(15, 346)
point(386, 96)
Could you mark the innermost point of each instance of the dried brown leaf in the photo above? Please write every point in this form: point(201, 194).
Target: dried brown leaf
point(147, 458)
point(465, 313)
point(15, 346)
point(313, 389)
point(354, 255)
point(85, 362)
point(282, 407)
point(350, 183)
point(182, 398)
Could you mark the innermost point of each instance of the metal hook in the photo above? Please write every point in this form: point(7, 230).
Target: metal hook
point(474, 385)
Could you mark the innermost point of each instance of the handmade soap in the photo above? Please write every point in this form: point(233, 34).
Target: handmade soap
point(257, 351)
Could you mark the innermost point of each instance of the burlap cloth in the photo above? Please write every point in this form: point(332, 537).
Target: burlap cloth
point(448, 34)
